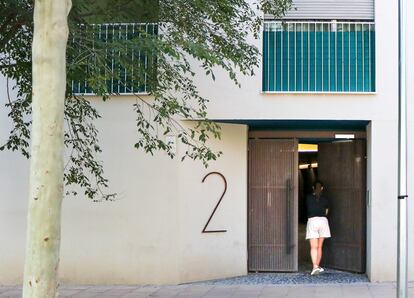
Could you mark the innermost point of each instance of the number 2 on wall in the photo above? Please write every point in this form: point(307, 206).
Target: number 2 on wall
point(218, 203)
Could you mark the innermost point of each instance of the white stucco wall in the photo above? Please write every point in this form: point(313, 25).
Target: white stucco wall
point(14, 183)
point(131, 239)
point(152, 233)
point(410, 112)
point(215, 255)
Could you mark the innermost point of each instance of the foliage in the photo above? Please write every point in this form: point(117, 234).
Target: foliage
point(213, 33)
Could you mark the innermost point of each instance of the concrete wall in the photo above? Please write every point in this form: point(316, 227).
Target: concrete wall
point(131, 239)
point(410, 89)
point(14, 185)
point(215, 255)
point(152, 233)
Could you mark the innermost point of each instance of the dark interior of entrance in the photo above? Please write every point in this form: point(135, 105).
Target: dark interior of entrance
point(308, 173)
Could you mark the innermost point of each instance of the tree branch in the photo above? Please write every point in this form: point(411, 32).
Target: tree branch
point(3, 66)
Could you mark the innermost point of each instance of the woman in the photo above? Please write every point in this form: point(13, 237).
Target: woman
point(317, 228)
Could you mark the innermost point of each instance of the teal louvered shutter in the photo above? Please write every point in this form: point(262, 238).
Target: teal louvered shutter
point(319, 57)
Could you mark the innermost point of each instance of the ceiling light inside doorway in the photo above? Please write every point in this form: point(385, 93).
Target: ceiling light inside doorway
point(344, 136)
point(308, 148)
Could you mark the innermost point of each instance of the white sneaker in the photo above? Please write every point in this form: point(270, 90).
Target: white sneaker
point(315, 271)
point(321, 269)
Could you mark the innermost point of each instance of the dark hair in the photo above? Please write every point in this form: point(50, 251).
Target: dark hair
point(317, 182)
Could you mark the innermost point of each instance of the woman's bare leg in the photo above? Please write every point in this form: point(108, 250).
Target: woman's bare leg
point(320, 245)
point(314, 252)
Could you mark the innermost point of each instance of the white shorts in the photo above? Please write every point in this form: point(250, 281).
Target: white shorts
point(317, 227)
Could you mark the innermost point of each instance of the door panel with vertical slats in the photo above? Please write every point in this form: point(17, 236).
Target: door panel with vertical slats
point(272, 205)
point(342, 168)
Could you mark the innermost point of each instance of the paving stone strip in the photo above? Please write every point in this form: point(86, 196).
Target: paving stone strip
point(353, 290)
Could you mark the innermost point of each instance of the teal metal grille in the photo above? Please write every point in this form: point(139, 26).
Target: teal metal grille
point(319, 57)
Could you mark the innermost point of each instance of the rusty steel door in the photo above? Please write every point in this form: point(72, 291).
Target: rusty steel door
point(272, 205)
point(342, 168)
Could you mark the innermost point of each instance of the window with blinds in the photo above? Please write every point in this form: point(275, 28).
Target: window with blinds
point(118, 79)
point(329, 10)
point(318, 57)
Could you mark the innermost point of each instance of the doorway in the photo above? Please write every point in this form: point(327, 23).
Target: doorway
point(308, 173)
point(281, 173)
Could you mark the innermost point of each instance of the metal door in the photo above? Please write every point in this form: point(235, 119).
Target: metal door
point(273, 211)
point(342, 168)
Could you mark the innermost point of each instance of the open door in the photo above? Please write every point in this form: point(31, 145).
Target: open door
point(342, 168)
point(272, 205)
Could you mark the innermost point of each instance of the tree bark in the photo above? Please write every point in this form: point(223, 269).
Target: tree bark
point(46, 165)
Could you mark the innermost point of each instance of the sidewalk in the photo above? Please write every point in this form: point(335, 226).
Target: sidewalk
point(361, 290)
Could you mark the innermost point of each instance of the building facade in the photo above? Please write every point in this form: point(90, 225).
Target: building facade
point(323, 105)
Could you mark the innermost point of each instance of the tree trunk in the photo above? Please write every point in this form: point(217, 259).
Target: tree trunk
point(46, 167)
